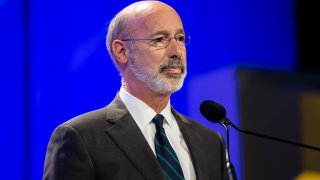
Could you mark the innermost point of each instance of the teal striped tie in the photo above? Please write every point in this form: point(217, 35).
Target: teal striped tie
point(165, 154)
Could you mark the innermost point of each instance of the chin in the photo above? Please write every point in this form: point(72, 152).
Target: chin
point(168, 87)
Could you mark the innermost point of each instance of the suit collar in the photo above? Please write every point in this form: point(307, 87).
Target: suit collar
point(140, 111)
point(192, 140)
point(127, 135)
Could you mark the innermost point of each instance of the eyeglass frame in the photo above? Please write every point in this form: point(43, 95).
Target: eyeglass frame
point(187, 38)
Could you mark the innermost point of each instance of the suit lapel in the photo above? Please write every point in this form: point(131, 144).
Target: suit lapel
point(192, 140)
point(129, 138)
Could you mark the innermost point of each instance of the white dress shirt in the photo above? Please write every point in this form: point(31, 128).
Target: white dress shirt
point(143, 115)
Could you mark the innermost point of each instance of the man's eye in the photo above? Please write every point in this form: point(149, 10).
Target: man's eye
point(158, 39)
point(181, 38)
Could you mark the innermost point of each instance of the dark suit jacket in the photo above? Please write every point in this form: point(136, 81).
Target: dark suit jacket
point(107, 144)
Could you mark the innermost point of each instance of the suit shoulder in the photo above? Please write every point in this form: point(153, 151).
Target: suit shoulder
point(201, 126)
point(196, 125)
point(88, 120)
point(100, 119)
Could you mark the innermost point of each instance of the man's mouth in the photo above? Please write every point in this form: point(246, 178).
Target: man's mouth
point(173, 69)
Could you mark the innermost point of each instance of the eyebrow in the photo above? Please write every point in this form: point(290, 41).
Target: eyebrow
point(166, 33)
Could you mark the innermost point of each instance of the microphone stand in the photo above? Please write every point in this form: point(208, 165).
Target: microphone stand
point(225, 122)
point(230, 169)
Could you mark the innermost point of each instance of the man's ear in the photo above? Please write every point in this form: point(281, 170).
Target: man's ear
point(120, 50)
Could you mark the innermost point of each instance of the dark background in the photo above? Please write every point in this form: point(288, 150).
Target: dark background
point(55, 65)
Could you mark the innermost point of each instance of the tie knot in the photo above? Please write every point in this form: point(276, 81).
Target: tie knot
point(158, 120)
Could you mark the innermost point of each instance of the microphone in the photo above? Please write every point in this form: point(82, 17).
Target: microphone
point(215, 112)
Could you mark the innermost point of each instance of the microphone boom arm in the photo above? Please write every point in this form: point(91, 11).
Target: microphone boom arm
point(226, 122)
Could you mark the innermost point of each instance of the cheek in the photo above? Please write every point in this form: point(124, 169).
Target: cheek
point(150, 61)
point(157, 58)
point(183, 54)
point(184, 58)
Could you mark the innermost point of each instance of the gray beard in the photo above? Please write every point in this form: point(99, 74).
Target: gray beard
point(160, 81)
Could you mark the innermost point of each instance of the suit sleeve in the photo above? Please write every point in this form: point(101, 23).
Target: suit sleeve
point(67, 157)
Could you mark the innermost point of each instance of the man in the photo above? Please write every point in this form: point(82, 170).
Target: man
point(139, 135)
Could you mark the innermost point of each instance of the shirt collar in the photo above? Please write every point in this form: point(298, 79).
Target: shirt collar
point(141, 112)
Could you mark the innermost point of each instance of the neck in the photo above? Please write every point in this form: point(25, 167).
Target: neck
point(153, 99)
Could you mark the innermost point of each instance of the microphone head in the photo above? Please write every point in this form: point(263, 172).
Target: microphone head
point(212, 111)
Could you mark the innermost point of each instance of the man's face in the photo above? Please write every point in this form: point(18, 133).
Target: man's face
point(162, 69)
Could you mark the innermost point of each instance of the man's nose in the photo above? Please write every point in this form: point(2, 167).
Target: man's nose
point(173, 48)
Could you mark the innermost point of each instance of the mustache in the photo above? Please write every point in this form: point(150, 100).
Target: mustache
point(173, 62)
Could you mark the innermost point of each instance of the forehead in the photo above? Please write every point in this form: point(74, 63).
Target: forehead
point(155, 19)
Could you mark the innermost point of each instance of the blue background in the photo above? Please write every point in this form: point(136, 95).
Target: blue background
point(55, 64)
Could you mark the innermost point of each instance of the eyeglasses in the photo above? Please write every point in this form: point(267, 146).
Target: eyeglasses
point(163, 41)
